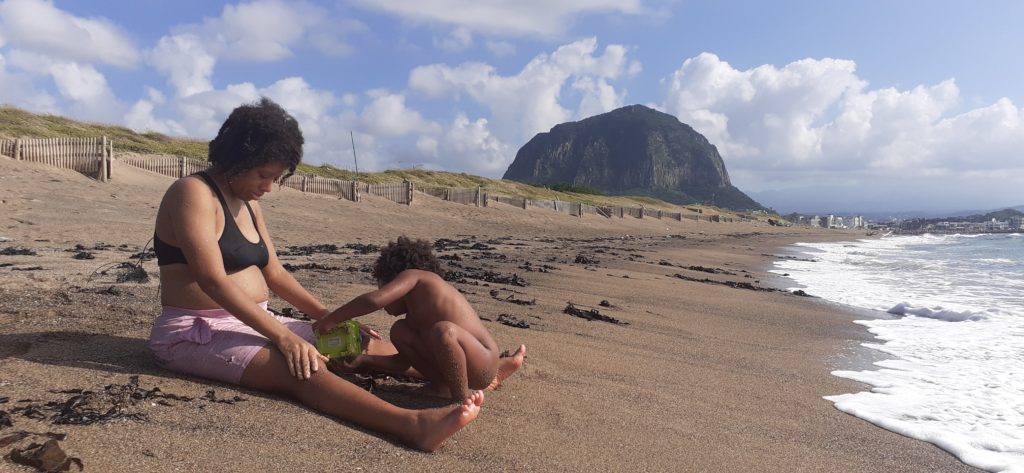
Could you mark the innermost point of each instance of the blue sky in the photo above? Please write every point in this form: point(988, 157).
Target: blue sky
point(814, 106)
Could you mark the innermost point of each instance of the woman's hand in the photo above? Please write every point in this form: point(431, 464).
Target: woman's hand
point(302, 358)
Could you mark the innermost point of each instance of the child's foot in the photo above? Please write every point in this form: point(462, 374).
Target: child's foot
point(507, 366)
point(436, 425)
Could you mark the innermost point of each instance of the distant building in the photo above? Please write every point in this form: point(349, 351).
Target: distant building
point(816, 221)
point(996, 226)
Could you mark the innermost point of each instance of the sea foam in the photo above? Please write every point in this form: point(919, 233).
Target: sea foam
point(951, 316)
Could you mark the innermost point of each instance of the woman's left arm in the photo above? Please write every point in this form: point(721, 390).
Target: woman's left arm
point(280, 281)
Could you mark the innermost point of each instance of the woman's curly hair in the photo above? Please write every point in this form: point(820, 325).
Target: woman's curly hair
point(256, 134)
point(405, 254)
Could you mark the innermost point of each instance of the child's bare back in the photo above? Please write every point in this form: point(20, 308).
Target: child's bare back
point(441, 337)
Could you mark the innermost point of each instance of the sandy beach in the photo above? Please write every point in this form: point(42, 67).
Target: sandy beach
point(703, 373)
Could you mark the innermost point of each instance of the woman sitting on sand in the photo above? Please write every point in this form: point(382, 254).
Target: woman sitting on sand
point(217, 264)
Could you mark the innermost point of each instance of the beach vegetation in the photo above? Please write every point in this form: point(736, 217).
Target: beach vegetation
point(17, 123)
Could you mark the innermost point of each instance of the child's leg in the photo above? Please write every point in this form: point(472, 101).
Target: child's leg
point(463, 362)
point(380, 356)
point(410, 347)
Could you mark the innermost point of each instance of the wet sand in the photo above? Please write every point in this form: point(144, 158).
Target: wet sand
point(699, 376)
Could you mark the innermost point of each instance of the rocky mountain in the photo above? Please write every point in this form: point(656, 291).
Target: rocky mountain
point(634, 150)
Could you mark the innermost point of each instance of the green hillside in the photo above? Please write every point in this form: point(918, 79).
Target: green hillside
point(17, 123)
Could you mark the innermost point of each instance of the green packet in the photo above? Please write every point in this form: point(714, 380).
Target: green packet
point(343, 341)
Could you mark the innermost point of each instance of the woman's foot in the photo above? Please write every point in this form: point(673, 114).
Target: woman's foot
point(508, 366)
point(437, 425)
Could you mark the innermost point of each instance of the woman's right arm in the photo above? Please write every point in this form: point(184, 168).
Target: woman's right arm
point(193, 218)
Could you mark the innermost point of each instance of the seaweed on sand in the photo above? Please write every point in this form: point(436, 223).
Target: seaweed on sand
point(591, 314)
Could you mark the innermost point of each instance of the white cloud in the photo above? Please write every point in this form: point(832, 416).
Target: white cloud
point(459, 39)
point(501, 48)
point(269, 30)
point(81, 83)
point(598, 97)
point(530, 101)
point(813, 122)
point(258, 31)
point(140, 118)
point(387, 116)
point(185, 61)
point(40, 26)
point(470, 146)
point(308, 105)
point(520, 18)
point(19, 90)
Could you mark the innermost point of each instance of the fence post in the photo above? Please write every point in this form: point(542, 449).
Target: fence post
point(408, 191)
point(525, 200)
point(105, 157)
point(102, 158)
point(304, 182)
point(355, 191)
point(17, 149)
point(181, 166)
point(110, 158)
point(555, 203)
point(476, 197)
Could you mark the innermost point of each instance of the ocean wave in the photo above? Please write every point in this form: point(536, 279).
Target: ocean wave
point(937, 313)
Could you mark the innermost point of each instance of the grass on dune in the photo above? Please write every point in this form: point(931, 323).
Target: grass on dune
point(17, 123)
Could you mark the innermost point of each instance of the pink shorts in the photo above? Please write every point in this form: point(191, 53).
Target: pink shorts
point(212, 343)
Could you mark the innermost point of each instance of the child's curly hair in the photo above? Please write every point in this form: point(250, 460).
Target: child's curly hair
point(405, 254)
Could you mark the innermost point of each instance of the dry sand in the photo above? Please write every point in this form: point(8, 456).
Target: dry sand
point(704, 377)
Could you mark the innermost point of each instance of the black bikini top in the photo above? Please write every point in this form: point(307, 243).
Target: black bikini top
point(238, 252)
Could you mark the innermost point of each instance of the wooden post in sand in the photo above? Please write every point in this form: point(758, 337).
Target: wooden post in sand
point(181, 166)
point(110, 157)
point(17, 149)
point(408, 191)
point(304, 182)
point(103, 159)
point(525, 202)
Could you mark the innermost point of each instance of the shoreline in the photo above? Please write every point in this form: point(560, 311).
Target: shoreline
point(704, 377)
point(851, 355)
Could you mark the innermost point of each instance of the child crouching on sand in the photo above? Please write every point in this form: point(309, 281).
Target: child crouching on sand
point(441, 335)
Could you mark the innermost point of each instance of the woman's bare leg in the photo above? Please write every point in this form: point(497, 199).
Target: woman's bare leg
point(327, 393)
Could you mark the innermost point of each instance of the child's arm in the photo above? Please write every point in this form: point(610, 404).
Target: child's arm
point(370, 301)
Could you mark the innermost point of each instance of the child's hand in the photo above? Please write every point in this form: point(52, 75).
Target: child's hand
point(324, 325)
point(369, 332)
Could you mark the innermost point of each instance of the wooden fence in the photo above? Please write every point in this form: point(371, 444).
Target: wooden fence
point(467, 196)
point(89, 156)
point(475, 196)
point(94, 157)
point(312, 183)
point(400, 192)
point(173, 166)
